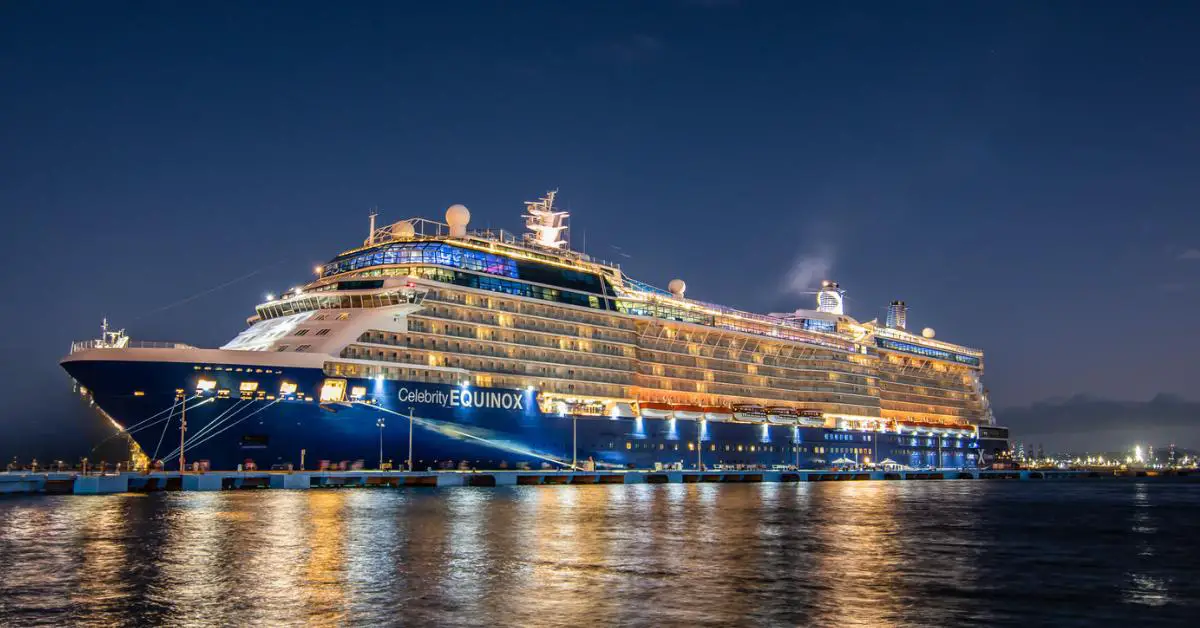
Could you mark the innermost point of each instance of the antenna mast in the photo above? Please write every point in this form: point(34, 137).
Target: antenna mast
point(546, 223)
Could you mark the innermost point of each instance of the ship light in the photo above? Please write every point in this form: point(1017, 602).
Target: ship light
point(139, 393)
point(379, 377)
point(333, 390)
point(206, 385)
point(358, 392)
point(270, 297)
point(248, 387)
point(287, 388)
point(529, 389)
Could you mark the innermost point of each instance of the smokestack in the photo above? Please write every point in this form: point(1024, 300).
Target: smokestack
point(897, 316)
point(830, 297)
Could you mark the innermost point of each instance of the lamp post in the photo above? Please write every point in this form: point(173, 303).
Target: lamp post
point(380, 424)
point(410, 434)
point(182, 435)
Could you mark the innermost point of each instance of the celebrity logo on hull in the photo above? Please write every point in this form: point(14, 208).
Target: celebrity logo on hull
point(464, 398)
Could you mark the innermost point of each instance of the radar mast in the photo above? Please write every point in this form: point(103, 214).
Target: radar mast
point(546, 223)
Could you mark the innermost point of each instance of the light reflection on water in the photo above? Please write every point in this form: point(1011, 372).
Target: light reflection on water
point(845, 554)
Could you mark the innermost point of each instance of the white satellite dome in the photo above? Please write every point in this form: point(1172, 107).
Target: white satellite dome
point(677, 287)
point(457, 216)
point(928, 332)
point(403, 229)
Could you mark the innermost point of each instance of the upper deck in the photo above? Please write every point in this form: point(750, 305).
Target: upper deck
point(541, 264)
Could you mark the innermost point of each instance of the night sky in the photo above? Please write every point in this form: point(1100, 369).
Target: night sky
point(1024, 174)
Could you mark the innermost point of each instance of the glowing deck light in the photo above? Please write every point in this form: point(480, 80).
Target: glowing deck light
point(379, 377)
point(287, 388)
point(766, 433)
point(529, 389)
point(358, 392)
point(317, 270)
point(248, 387)
point(296, 290)
point(270, 297)
point(206, 385)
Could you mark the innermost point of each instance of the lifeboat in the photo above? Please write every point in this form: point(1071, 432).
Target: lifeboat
point(689, 413)
point(782, 415)
point(749, 412)
point(715, 413)
point(621, 410)
point(655, 410)
point(810, 418)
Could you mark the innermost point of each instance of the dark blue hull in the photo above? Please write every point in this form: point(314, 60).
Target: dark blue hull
point(485, 428)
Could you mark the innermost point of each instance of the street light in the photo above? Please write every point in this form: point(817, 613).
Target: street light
point(379, 423)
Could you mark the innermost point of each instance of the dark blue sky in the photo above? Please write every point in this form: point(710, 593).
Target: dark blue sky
point(1022, 173)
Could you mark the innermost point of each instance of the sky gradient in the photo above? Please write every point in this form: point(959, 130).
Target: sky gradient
point(1023, 174)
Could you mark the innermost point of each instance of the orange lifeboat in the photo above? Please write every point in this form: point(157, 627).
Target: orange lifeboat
point(655, 410)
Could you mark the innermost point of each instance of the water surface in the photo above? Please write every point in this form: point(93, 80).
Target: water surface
point(930, 553)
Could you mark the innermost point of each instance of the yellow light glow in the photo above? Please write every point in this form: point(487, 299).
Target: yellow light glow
point(333, 390)
point(287, 388)
point(139, 393)
point(248, 387)
point(358, 391)
point(206, 384)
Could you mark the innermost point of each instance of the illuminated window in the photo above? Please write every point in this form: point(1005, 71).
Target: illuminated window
point(287, 388)
point(248, 387)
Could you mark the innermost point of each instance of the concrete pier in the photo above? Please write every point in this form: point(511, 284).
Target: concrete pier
point(71, 482)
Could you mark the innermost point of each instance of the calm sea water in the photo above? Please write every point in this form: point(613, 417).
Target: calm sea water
point(836, 554)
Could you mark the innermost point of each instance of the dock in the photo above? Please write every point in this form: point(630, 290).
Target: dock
point(71, 482)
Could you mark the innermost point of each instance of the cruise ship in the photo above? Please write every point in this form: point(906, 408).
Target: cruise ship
point(432, 346)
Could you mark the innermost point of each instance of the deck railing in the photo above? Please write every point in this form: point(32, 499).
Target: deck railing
point(86, 345)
